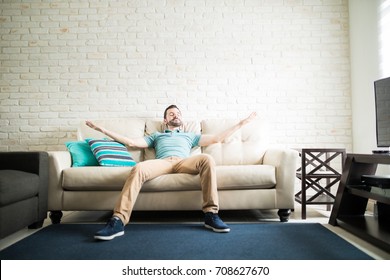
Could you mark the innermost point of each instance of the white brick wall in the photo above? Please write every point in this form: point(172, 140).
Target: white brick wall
point(66, 61)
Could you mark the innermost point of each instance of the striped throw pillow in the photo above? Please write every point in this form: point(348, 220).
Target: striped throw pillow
point(110, 153)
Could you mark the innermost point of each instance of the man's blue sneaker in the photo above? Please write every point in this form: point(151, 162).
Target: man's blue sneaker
point(113, 228)
point(214, 222)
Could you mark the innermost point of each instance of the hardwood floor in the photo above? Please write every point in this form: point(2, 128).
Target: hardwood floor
point(315, 214)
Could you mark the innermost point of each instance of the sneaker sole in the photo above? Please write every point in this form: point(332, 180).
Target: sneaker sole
point(223, 230)
point(109, 237)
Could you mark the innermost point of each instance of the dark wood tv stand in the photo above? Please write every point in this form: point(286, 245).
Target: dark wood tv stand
point(351, 201)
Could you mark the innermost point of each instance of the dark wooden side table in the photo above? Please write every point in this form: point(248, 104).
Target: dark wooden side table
point(320, 170)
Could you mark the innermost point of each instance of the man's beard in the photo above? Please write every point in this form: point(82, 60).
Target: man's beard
point(175, 123)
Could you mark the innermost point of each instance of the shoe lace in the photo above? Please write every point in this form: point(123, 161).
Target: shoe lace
point(214, 217)
point(112, 222)
point(218, 219)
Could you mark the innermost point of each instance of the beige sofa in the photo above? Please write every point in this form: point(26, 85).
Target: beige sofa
point(251, 174)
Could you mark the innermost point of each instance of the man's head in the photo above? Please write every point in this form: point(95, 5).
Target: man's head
point(172, 116)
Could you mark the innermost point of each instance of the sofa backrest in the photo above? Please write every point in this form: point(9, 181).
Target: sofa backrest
point(132, 128)
point(245, 146)
point(155, 125)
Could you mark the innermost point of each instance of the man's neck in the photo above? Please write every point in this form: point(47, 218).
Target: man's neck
point(173, 128)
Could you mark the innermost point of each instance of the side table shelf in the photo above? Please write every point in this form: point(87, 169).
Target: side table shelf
point(351, 201)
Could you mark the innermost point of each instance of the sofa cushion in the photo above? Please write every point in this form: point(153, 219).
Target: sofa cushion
point(228, 178)
point(108, 179)
point(246, 177)
point(81, 154)
point(17, 185)
point(94, 178)
point(132, 128)
point(245, 146)
point(110, 153)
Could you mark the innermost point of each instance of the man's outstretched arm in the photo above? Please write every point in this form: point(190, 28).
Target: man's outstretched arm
point(132, 143)
point(206, 140)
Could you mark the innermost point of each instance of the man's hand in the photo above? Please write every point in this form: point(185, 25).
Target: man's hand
point(93, 126)
point(207, 140)
point(250, 118)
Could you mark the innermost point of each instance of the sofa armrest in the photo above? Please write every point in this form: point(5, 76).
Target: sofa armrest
point(285, 160)
point(35, 162)
point(58, 161)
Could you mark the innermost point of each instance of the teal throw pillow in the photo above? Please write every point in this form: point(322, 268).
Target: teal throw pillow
point(110, 153)
point(81, 154)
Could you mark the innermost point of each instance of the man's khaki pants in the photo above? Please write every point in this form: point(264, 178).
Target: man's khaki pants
point(203, 165)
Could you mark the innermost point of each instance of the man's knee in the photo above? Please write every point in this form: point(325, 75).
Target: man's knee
point(207, 159)
point(137, 171)
point(136, 168)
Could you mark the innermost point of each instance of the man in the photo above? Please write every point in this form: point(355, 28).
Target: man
point(172, 149)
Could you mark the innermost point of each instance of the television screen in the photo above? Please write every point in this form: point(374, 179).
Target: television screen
point(382, 110)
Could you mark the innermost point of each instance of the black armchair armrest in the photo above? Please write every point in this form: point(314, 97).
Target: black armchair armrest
point(32, 162)
point(36, 162)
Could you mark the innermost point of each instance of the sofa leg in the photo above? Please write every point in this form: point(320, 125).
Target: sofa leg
point(36, 225)
point(55, 217)
point(284, 214)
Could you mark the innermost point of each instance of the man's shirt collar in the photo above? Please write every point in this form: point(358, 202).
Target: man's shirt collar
point(177, 130)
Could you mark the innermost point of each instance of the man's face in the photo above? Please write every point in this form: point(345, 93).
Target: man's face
point(173, 118)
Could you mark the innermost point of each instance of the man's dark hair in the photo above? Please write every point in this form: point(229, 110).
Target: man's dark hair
point(170, 107)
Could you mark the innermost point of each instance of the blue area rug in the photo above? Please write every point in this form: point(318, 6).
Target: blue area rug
point(260, 241)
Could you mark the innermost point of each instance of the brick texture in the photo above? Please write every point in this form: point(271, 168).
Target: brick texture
point(66, 61)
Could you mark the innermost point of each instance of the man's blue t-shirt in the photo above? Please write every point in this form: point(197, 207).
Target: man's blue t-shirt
point(172, 143)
